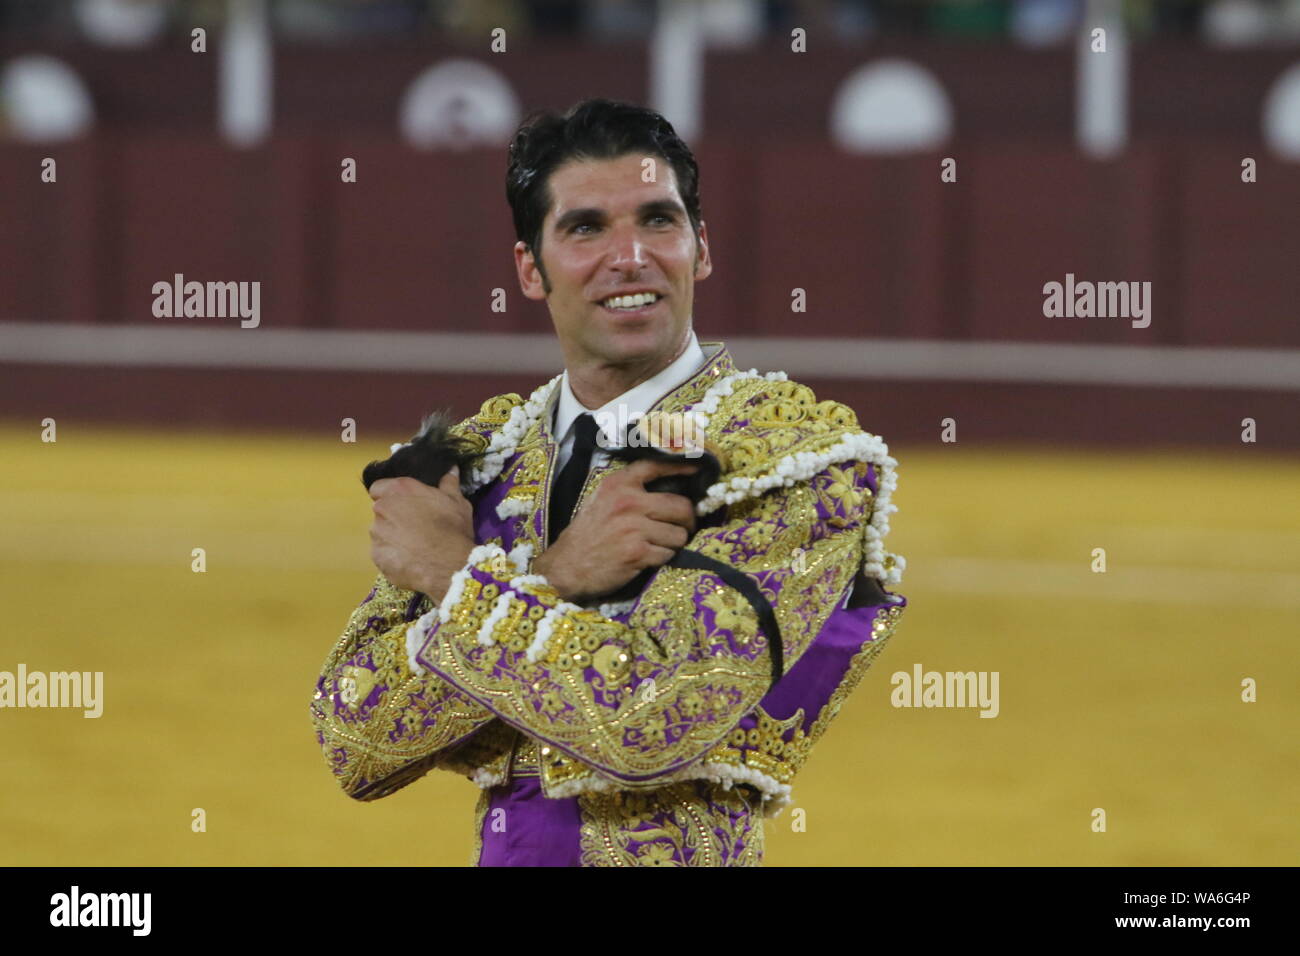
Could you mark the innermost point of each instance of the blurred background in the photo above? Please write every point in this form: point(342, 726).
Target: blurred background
point(919, 169)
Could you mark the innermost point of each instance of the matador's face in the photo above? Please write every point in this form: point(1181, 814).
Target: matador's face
point(609, 232)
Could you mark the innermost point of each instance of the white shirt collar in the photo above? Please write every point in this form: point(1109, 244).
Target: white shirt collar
point(635, 402)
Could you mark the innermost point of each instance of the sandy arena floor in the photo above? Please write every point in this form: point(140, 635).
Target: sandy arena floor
point(1119, 691)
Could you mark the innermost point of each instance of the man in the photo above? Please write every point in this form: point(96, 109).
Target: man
point(649, 732)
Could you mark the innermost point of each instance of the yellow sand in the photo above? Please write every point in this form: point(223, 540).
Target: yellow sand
point(1119, 691)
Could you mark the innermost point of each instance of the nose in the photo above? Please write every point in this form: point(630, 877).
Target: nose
point(627, 252)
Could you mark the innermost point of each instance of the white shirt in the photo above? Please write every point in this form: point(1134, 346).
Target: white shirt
point(624, 410)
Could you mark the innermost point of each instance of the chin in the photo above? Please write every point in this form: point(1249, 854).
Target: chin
point(634, 343)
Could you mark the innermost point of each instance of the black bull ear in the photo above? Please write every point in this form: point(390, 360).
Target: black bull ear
point(427, 457)
point(693, 486)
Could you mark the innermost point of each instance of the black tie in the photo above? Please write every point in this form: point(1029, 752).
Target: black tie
point(567, 487)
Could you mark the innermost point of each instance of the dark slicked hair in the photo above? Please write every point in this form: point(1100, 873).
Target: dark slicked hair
point(592, 129)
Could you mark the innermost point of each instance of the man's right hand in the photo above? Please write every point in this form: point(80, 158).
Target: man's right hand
point(619, 531)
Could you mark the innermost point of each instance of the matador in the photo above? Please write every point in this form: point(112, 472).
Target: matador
point(652, 731)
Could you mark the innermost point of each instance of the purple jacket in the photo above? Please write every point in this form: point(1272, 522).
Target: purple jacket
point(647, 733)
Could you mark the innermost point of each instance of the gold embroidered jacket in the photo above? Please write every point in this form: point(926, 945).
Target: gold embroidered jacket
point(647, 733)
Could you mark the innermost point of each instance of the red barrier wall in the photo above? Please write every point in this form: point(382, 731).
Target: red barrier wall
point(880, 246)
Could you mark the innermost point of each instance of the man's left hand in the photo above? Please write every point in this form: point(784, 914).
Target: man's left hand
point(421, 535)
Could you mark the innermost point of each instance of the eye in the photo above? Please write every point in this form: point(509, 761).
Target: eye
point(583, 225)
point(668, 220)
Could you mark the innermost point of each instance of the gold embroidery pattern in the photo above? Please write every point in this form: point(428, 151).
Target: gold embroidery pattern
point(480, 816)
point(488, 750)
point(779, 748)
point(690, 634)
point(693, 823)
point(380, 727)
point(526, 759)
point(477, 429)
point(525, 476)
point(693, 390)
point(534, 468)
point(766, 421)
point(682, 614)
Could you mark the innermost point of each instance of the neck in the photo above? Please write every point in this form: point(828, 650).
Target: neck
point(598, 383)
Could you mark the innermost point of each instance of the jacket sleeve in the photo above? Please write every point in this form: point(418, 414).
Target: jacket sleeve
point(380, 724)
point(637, 694)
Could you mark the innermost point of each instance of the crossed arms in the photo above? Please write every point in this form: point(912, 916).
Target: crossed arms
point(635, 695)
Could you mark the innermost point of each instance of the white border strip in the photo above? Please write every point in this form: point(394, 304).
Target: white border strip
point(142, 346)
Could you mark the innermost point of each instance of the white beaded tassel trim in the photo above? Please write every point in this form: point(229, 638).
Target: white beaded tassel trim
point(800, 466)
point(521, 555)
point(513, 507)
point(486, 779)
point(505, 440)
point(545, 626)
point(776, 796)
point(616, 608)
point(878, 527)
point(571, 788)
point(498, 614)
point(415, 638)
point(525, 580)
point(418, 632)
point(723, 387)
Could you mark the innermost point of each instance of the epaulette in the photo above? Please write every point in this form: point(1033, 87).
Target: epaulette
point(477, 429)
point(775, 433)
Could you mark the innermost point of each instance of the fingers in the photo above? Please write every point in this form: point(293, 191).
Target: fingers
point(393, 486)
point(451, 482)
point(647, 470)
point(663, 535)
point(657, 556)
point(675, 509)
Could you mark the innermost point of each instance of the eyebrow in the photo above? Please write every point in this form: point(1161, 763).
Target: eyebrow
point(588, 214)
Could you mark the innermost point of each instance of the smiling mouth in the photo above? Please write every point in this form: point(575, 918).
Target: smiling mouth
point(631, 304)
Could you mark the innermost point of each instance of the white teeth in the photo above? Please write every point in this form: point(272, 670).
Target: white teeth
point(630, 301)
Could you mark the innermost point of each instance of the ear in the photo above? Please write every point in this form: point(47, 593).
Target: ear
point(703, 264)
point(530, 278)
